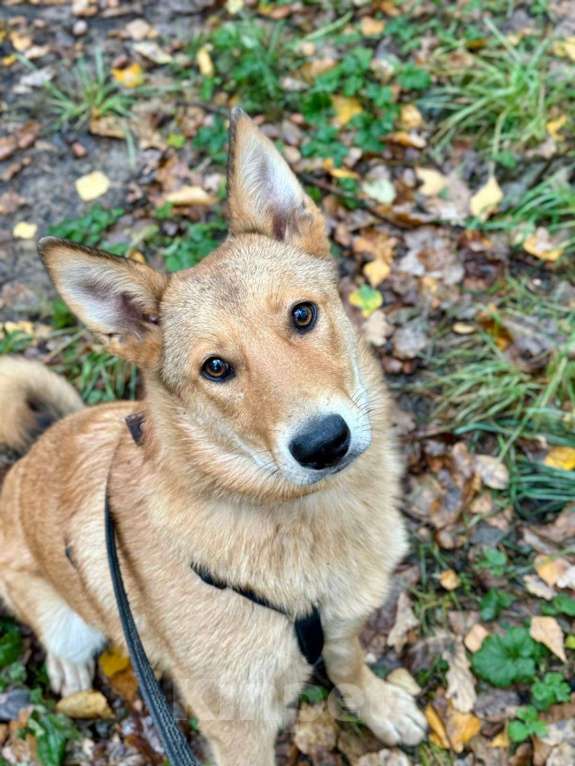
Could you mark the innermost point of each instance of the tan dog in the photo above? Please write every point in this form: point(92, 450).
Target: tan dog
point(266, 458)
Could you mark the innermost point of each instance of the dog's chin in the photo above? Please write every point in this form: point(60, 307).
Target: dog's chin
point(309, 478)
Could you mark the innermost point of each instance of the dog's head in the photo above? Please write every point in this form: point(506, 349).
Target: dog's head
point(249, 356)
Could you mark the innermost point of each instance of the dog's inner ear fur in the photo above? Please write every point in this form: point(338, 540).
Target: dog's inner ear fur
point(264, 196)
point(113, 296)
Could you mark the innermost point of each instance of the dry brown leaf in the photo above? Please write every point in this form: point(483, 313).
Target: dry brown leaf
point(410, 118)
point(561, 457)
point(152, 51)
point(492, 471)
point(449, 579)
point(131, 76)
point(92, 185)
point(315, 729)
point(475, 637)
point(550, 569)
point(89, 704)
point(486, 200)
point(345, 108)
point(410, 139)
point(541, 245)
point(139, 29)
point(377, 329)
point(24, 230)
point(404, 622)
point(190, 195)
point(537, 587)
point(460, 681)
point(432, 181)
point(110, 126)
point(438, 733)
point(547, 631)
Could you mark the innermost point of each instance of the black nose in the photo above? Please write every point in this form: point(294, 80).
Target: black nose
point(322, 444)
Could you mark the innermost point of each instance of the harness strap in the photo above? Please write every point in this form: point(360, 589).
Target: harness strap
point(175, 744)
point(308, 629)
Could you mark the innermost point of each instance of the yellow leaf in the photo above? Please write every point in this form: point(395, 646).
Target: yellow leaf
point(234, 6)
point(371, 27)
point(338, 172)
point(410, 117)
point(113, 661)
point(547, 631)
point(376, 271)
point(461, 728)
point(561, 457)
point(23, 326)
point(449, 579)
point(190, 195)
point(204, 61)
point(345, 108)
point(500, 740)
point(131, 76)
point(432, 181)
point(9, 60)
point(438, 733)
point(565, 48)
point(550, 569)
point(554, 127)
point(403, 138)
point(92, 186)
point(24, 230)
point(486, 200)
point(475, 638)
point(542, 246)
point(367, 299)
point(89, 704)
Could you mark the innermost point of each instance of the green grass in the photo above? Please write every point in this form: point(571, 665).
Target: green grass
point(88, 92)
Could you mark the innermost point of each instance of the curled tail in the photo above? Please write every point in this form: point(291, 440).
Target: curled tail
point(32, 397)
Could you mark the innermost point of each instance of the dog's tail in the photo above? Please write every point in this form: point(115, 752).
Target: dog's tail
point(32, 397)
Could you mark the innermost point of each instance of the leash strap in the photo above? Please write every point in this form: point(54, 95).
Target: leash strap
point(175, 744)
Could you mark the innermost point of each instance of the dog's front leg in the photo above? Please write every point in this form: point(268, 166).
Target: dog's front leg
point(241, 743)
point(389, 711)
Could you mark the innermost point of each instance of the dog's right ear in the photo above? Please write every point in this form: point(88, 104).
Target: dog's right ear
point(113, 296)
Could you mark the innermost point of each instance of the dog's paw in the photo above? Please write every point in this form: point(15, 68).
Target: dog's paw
point(69, 677)
point(393, 716)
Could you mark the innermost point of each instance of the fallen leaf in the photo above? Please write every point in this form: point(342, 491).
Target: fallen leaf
point(561, 457)
point(377, 329)
point(87, 704)
point(555, 126)
point(432, 181)
point(190, 195)
point(109, 126)
point(547, 631)
point(409, 341)
point(10, 202)
point(410, 118)
point(367, 299)
point(371, 27)
point(315, 729)
point(338, 172)
point(438, 733)
point(376, 271)
point(492, 471)
point(204, 61)
point(113, 661)
point(92, 185)
point(404, 138)
point(345, 108)
point(234, 6)
point(550, 569)
point(565, 48)
point(462, 328)
point(405, 621)
point(541, 245)
point(461, 728)
point(460, 680)
point(138, 29)
point(449, 579)
point(381, 190)
point(152, 51)
point(475, 638)
point(131, 76)
point(537, 587)
point(486, 200)
point(24, 230)
point(500, 740)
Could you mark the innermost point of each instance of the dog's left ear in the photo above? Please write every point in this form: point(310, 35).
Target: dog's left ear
point(264, 196)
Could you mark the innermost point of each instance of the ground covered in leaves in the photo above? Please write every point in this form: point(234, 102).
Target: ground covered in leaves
point(438, 139)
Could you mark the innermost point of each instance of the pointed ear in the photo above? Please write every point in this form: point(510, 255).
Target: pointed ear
point(113, 296)
point(264, 196)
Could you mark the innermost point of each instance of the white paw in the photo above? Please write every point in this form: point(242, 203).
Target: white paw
point(393, 716)
point(69, 677)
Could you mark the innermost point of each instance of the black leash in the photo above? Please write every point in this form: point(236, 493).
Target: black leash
point(175, 744)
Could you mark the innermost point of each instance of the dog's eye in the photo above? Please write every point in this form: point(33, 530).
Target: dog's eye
point(304, 316)
point(217, 369)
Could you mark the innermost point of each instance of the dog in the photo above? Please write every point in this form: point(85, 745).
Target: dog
point(264, 456)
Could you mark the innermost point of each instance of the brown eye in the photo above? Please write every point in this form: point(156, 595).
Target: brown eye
point(217, 369)
point(304, 316)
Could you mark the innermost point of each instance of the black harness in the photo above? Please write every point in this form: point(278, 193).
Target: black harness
point(308, 631)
